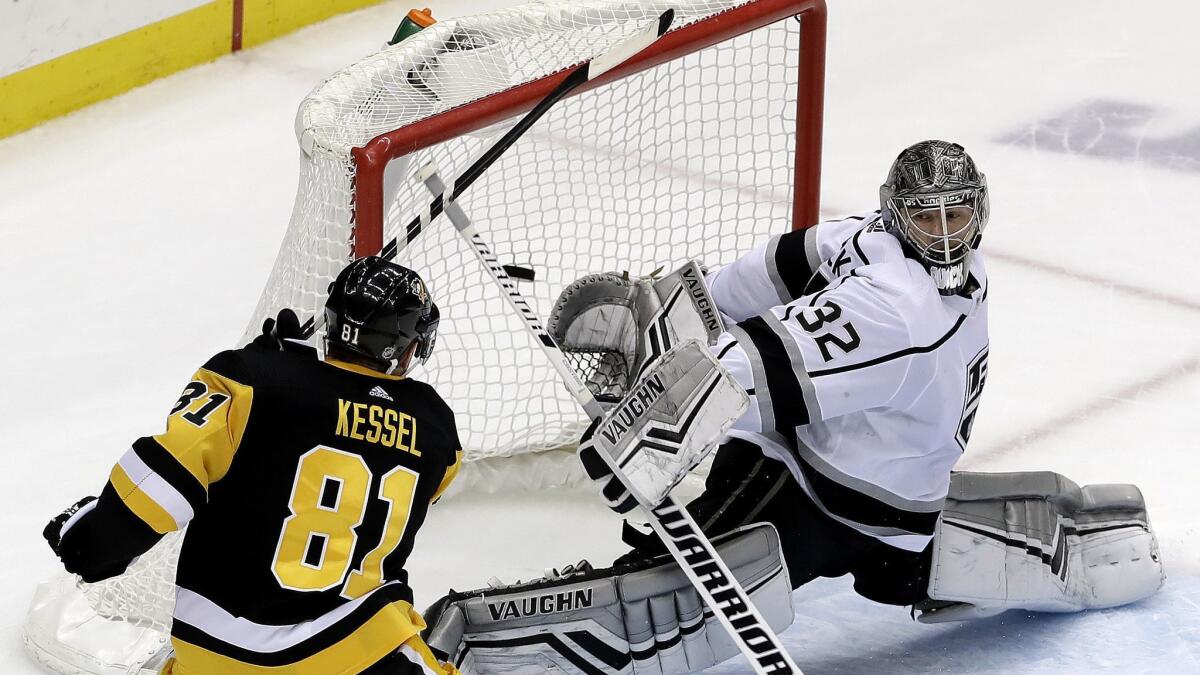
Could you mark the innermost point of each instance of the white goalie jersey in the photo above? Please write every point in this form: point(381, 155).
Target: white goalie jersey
point(863, 379)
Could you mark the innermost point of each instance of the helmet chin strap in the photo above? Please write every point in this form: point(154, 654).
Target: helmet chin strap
point(405, 360)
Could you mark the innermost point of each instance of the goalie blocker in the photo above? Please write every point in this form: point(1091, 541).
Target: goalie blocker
point(670, 402)
point(673, 417)
point(643, 618)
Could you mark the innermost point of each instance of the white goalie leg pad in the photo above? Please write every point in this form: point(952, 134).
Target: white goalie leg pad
point(674, 416)
point(644, 618)
point(1038, 541)
point(624, 324)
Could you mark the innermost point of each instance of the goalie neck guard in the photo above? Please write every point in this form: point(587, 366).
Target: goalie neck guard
point(376, 310)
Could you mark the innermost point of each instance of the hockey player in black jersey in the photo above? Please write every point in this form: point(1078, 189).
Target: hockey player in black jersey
point(862, 345)
point(303, 483)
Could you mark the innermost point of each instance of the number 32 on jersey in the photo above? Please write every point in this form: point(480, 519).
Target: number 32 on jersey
point(329, 499)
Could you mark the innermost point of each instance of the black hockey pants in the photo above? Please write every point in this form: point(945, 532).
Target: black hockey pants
point(745, 487)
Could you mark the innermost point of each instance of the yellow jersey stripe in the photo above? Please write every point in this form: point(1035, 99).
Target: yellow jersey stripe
point(418, 653)
point(451, 473)
point(157, 488)
point(142, 505)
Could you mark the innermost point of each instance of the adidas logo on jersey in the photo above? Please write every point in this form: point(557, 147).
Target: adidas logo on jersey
point(380, 393)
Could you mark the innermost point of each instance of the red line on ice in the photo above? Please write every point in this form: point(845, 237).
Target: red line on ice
point(1128, 289)
point(1083, 413)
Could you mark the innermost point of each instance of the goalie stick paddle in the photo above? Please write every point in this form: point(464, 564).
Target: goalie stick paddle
point(682, 536)
point(600, 64)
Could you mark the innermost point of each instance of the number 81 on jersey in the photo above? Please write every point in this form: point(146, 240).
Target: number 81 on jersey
point(329, 500)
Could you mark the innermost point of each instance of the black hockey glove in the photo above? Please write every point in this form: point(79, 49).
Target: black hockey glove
point(77, 548)
point(646, 545)
point(616, 497)
point(286, 326)
point(53, 530)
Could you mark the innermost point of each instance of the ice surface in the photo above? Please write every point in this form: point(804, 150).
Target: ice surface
point(136, 236)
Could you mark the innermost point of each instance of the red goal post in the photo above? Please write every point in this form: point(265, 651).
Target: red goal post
point(371, 159)
point(699, 148)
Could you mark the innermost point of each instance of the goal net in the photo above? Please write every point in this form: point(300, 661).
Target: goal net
point(698, 148)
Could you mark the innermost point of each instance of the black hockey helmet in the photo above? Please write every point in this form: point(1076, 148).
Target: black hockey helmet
point(376, 309)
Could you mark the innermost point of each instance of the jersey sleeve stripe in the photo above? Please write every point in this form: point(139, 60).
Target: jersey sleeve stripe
point(448, 478)
point(762, 393)
point(83, 511)
point(160, 461)
point(418, 654)
point(771, 259)
point(157, 488)
point(792, 259)
point(145, 507)
point(725, 350)
point(783, 405)
point(811, 252)
point(812, 404)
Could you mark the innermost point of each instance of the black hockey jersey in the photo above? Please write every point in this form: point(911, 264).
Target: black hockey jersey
point(303, 484)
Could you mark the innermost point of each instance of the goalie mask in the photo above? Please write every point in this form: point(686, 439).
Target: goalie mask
point(935, 201)
point(376, 309)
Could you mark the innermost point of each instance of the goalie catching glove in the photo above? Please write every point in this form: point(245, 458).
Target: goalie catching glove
point(612, 327)
point(676, 414)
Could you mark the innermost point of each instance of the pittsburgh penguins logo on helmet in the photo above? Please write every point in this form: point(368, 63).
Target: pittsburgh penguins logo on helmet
point(936, 202)
point(377, 309)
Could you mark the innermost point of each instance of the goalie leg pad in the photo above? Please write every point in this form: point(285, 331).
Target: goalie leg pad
point(1038, 541)
point(644, 618)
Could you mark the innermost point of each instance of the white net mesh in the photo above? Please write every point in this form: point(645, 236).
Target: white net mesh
point(691, 159)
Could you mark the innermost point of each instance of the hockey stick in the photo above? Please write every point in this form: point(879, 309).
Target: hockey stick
point(683, 538)
point(618, 54)
point(615, 56)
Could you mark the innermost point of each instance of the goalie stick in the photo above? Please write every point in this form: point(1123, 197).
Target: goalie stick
point(597, 66)
point(682, 536)
point(588, 70)
point(689, 546)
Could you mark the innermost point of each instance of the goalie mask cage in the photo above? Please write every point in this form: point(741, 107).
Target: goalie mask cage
point(699, 147)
